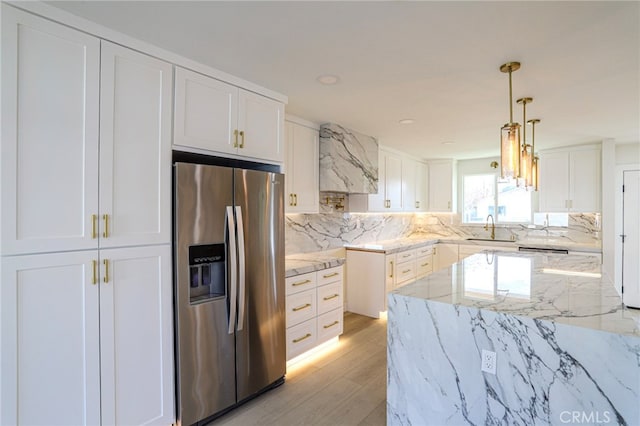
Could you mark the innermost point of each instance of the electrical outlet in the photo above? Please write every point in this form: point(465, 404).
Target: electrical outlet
point(488, 362)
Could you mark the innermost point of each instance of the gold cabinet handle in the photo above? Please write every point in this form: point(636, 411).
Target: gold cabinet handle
point(331, 275)
point(235, 138)
point(241, 138)
point(306, 336)
point(105, 217)
point(94, 226)
point(299, 308)
point(391, 263)
point(295, 199)
point(296, 284)
point(404, 256)
point(406, 270)
point(333, 296)
point(417, 204)
point(331, 325)
point(291, 199)
point(434, 250)
point(425, 264)
point(94, 263)
point(105, 262)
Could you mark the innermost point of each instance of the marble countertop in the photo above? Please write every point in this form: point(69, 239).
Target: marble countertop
point(567, 289)
point(401, 244)
point(303, 263)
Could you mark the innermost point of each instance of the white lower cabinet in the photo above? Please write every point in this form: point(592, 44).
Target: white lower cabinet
point(444, 255)
point(314, 306)
point(87, 337)
point(424, 261)
point(468, 250)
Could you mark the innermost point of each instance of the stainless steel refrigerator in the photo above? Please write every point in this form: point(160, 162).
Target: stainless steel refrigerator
point(229, 287)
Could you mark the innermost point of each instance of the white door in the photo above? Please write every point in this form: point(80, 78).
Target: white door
point(421, 199)
point(206, 113)
point(440, 186)
point(50, 81)
point(409, 169)
point(631, 232)
point(50, 372)
point(393, 182)
point(302, 169)
point(135, 148)
point(136, 336)
point(261, 123)
point(554, 182)
point(584, 180)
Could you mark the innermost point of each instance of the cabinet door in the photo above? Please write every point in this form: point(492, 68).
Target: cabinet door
point(302, 169)
point(50, 79)
point(584, 180)
point(393, 182)
point(206, 113)
point(135, 148)
point(377, 202)
point(50, 371)
point(444, 255)
point(421, 200)
point(554, 182)
point(409, 185)
point(136, 336)
point(262, 121)
point(441, 186)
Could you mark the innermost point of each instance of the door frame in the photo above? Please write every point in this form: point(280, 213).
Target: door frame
point(620, 169)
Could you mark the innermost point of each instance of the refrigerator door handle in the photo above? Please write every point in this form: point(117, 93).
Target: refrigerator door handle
point(233, 283)
point(241, 269)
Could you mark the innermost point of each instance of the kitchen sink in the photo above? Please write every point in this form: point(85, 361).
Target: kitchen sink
point(489, 239)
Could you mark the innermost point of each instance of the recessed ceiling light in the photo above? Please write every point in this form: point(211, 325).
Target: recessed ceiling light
point(448, 143)
point(407, 121)
point(328, 79)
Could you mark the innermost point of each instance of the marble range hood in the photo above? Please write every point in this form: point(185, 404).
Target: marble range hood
point(348, 161)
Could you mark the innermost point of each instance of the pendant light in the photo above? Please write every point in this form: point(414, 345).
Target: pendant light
point(526, 154)
point(510, 135)
point(534, 164)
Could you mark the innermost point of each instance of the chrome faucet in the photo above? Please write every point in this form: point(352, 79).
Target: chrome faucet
point(493, 227)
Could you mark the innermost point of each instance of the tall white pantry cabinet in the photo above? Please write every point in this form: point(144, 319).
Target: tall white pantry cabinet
point(85, 310)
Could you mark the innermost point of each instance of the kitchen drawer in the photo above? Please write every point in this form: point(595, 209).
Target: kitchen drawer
point(405, 272)
point(330, 275)
point(424, 266)
point(329, 297)
point(301, 338)
point(424, 251)
point(330, 325)
point(301, 307)
point(300, 283)
point(405, 256)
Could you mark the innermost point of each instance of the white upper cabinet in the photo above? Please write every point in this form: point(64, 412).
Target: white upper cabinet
point(50, 82)
point(570, 180)
point(215, 116)
point(414, 186)
point(389, 196)
point(301, 168)
point(135, 148)
point(441, 183)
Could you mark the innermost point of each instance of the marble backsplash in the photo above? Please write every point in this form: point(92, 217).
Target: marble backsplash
point(305, 233)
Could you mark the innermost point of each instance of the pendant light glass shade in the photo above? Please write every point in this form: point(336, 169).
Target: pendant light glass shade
point(527, 166)
point(510, 135)
point(510, 151)
point(534, 173)
point(534, 160)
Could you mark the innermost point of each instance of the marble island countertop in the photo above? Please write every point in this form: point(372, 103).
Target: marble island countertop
point(568, 289)
point(303, 263)
point(418, 240)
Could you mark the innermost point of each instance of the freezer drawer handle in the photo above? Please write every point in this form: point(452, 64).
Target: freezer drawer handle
point(296, 284)
point(330, 275)
point(333, 296)
point(331, 325)
point(300, 339)
point(299, 308)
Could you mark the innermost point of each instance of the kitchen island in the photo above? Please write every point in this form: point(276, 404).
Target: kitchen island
point(566, 350)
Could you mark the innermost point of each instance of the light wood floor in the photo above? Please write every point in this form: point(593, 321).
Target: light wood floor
point(347, 386)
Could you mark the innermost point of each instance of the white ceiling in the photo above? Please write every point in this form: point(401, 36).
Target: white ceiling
point(434, 62)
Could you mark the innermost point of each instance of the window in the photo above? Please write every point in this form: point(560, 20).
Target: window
point(511, 205)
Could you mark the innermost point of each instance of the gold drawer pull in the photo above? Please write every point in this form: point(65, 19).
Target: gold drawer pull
point(406, 270)
point(95, 267)
point(299, 308)
point(105, 217)
point(296, 284)
point(242, 139)
point(235, 138)
point(331, 275)
point(425, 264)
point(106, 270)
point(331, 325)
point(94, 219)
point(306, 336)
point(333, 296)
point(406, 255)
